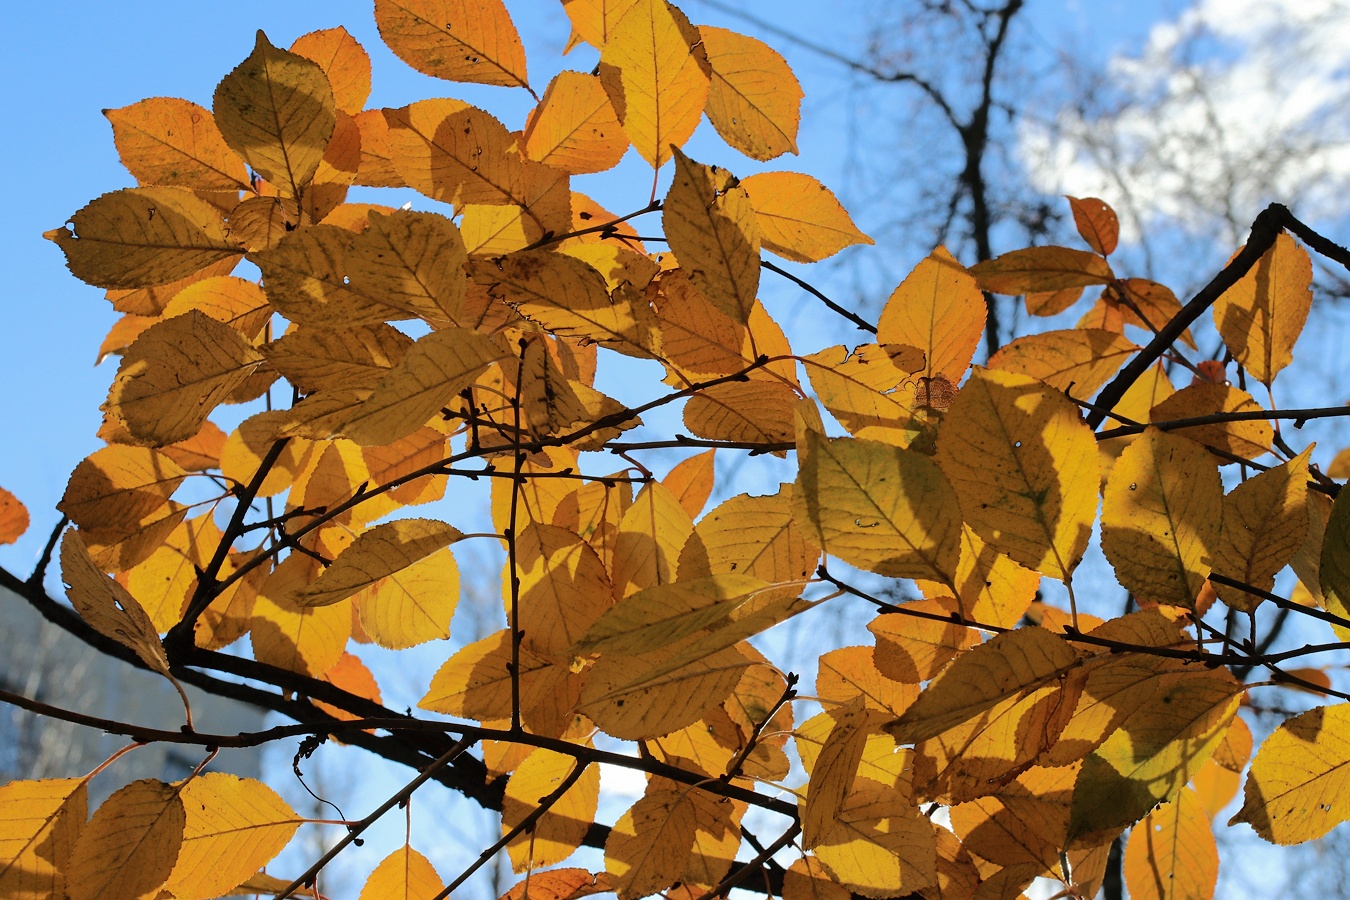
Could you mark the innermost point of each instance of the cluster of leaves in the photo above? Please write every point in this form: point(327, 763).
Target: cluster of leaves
point(421, 348)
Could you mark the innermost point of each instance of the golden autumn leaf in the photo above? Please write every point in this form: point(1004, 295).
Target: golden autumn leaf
point(432, 373)
point(345, 63)
point(305, 640)
point(655, 70)
point(376, 554)
point(13, 517)
point(561, 830)
point(755, 411)
point(413, 262)
point(691, 481)
point(806, 879)
point(574, 127)
point(276, 110)
point(990, 587)
point(1023, 822)
point(850, 672)
point(172, 142)
point(234, 826)
point(870, 396)
point(650, 536)
point(40, 822)
point(712, 228)
point(1262, 315)
point(640, 697)
point(413, 605)
point(240, 304)
point(175, 374)
point(306, 279)
point(647, 849)
point(833, 773)
point(880, 845)
point(119, 484)
point(754, 100)
point(1024, 466)
point(1265, 520)
point(1040, 269)
point(911, 649)
point(564, 588)
point(1218, 780)
point(107, 607)
point(404, 874)
point(476, 683)
point(664, 614)
point(1296, 790)
point(1078, 360)
point(129, 847)
point(142, 237)
point(1158, 748)
point(799, 218)
point(939, 309)
point(878, 507)
point(1161, 513)
point(560, 884)
point(1096, 222)
point(1171, 854)
point(1248, 439)
point(748, 535)
point(454, 40)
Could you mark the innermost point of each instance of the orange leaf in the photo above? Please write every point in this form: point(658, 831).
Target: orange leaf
point(455, 40)
point(13, 517)
point(754, 100)
point(404, 874)
point(343, 60)
point(691, 481)
point(167, 141)
point(1097, 223)
point(1040, 269)
point(574, 127)
point(1262, 315)
point(799, 218)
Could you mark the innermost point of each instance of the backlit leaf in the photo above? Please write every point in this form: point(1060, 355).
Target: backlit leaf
point(413, 262)
point(712, 228)
point(379, 553)
point(107, 607)
point(142, 237)
point(1248, 439)
point(870, 396)
point(1096, 223)
point(574, 128)
point(561, 830)
point(40, 822)
point(129, 847)
point(691, 481)
point(651, 535)
point(647, 849)
point(754, 100)
point(305, 640)
point(119, 484)
point(175, 374)
point(454, 40)
point(835, 768)
point(1171, 854)
point(664, 614)
point(636, 698)
point(559, 884)
point(805, 879)
point(234, 827)
point(1296, 789)
point(939, 309)
point(164, 140)
point(1262, 315)
point(344, 61)
point(1024, 466)
point(655, 70)
point(13, 517)
point(911, 649)
point(799, 218)
point(1161, 513)
point(1078, 360)
point(880, 845)
point(276, 110)
point(1265, 520)
point(564, 587)
point(748, 535)
point(326, 359)
point(1218, 780)
point(404, 874)
point(1039, 269)
point(413, 605)
point(757, 412)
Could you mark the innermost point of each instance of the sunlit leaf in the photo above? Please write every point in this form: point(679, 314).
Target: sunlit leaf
point(343, 60)
point(561, 830)
point(1265, 520)
point(164, 140)
point(454, 40)
point(754, 100)
point(1296, 789)
point(1262, 315)
point(574, 128)
point(404, 874)
point(40, 822)
point(107, 607)
point(1078, 360)
point(1096, 223)
point(129, 847)
point(1039, 269)
point(880, 845)
point(647, 849)
point(1171, 853)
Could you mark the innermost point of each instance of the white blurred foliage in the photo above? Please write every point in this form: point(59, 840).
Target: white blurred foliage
point(1230, 106)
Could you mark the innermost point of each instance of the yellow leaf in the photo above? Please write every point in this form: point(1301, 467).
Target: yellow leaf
point(878, 507)
point(1025, 468)
point(664, 614)
point(716, 840)
point(655, 70)
point(647, 849)
point(1040, 269)
point(1265, 520)
point(454, 39)
point(712, 229)
point(1296, 788)
point(142, 237)
point(462, 155)
point(476, 683)
point(314, 359)
point(1262, 315)
point(344, 62)
point(991, 588)
point(574, 127)
point(698, 340)
point(108, 607)
point(799, 218)
point(754, 100)
point(567, 297)
point(412, 261)
point(175, 374)
point(806, 879)
point(404, 874)
point(691, 481)
point(1248, 439)
point(1161, 514)
point(835, 769)
point(432, 373)
point(167, 141)
point(379, 553)
point(308, 641)
point(880, 845)
point(1171, 854)
point(1078, 360)
point(162, 583)
point(276, 110)
point(851, 672)
point(1096, 223)
point(559, 884)
point(636, 698)
point(1026, 664)
point(870, 396)
point(234, 827)
point(939, 309)
point(561, 830)
point(750, 536)
point(411, 606)
point(238, 303)
point(651, 535)
point(564, 588)
point(118, 485)
point(129, 847)
point(1218, 779)
point(1154, 753)
point(306, 279)
point(758, 412)
point(40, 822)
point(1146, 304)
point(911, 649)
point(123, 332)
